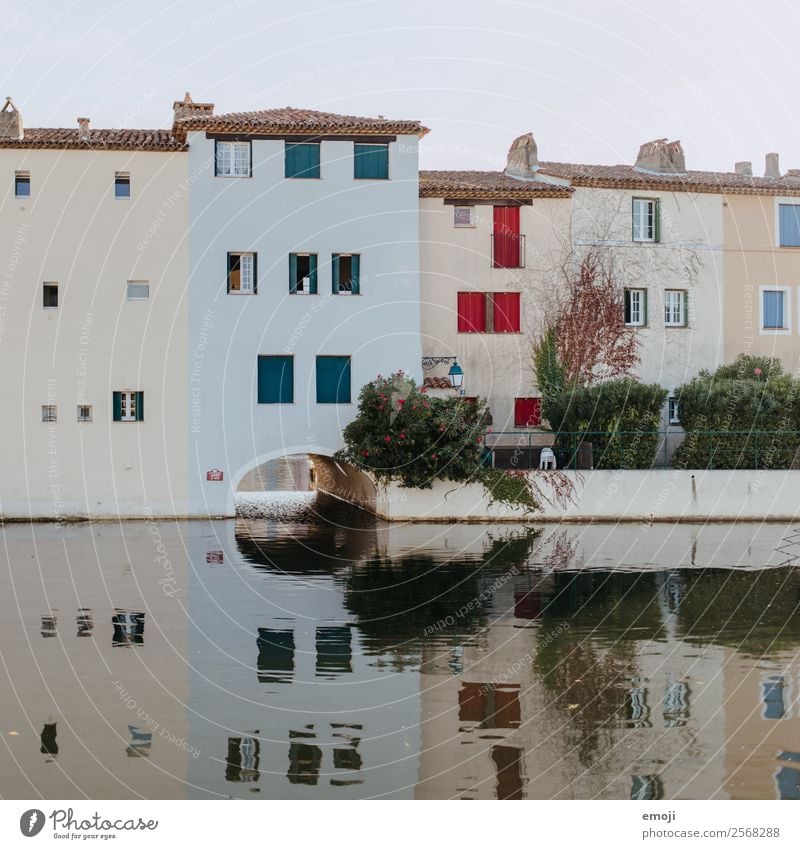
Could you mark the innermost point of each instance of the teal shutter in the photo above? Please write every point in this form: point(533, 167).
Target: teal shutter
point(657, 221)
point(276, 380)
point(302, 160)
point(371, 161)
point(293, 273)
point(355, 268)
point(140, 406)
point(312, 274)
point(116, 399)
point(333, 380)
point(335, 274)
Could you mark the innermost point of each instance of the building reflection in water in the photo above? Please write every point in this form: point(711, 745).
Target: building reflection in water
point(509, 765)
point(646, 787)
point(275, 661)
point(84, 622)
point(334, 650)
point(49, 623)
point(772, 698)
point(140, 744)
point(305, 761)
point(47, 738)
point(244, 758)
point(128, 628)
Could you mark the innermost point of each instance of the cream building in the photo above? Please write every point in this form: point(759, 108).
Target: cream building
point(93, 327)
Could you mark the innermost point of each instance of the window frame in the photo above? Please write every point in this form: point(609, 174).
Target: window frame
point(129, 283)
point(683, 300)
point(787, 310)
point(627, 294)
point(253, 290)
point(355, 274)
point(22, 178)
point(472, 216)
point(125, 398)
point(284, 357)
point(313, 273)
point(45, 286)
point(384, 146)
point(49, 413)
point(238, 143)
point(779, 202)
point(122, 178)
point(84, 420)
point(656, 224)
point(673, 410)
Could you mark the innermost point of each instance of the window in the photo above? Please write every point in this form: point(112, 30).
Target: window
point(636, 307)
point(646, 220)
point(774, 312)
point(22, 184)
point(232, 159)
point(506, 240)
point(674, 308)
point(50, 295)
point(527, 412)
point(789, 225)
point(276, 380)
point(302, 160)
point(303, 274)
point(49, 413)
point(122, 184)
point(333, 380)
point(84, 412)
point(471, 312)
point(371, 161)
point(128, 406)
point(505, 309)
point(463, 216)
point(673, 411)
point(137, 290)
point(242, 274)
point(346, 274)
point(479, 312)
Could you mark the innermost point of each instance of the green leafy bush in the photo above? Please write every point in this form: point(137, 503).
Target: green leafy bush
point(604, 415)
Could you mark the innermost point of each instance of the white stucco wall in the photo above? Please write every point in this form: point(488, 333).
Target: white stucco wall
point(73, 231)
point(273, 216)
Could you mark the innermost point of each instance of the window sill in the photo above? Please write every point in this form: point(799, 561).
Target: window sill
point(234, 176)
point(775, 331)
point(676, 327)
point(335, 403)
point(372, 179)
point(242, 294)
point(302, 178)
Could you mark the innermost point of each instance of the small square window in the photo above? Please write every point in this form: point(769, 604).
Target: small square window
point(84, 412)
point(22, 184)
point(49, 413)
point(674, 308)
point(137, 290)
point(128, 406)
point(232, 159)
point(50, 295)
point(674, 411)
point(463, 216)
point(241, 274)
point(122, 184)
point(773, 309)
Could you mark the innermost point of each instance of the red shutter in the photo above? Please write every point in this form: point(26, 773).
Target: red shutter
point(527, 412)
point(506, 312)
point(471, 312)
point(506, 237)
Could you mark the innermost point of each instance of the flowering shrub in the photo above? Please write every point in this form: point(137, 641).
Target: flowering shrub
point(403, 434)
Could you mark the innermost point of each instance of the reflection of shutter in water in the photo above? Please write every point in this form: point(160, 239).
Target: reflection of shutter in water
point(48, 739)
point(128, 628)
point(676, 704)
point(275, 655)
point(244, 755)
point(141, 741)
point(638, 713)
point(49, 626)
point(645, 787)
point(334, 652)
point(788, 779)
point(772, 696)
point(508, 763)
point(346, 759)
point(493, 705)
point(85, 622)
point(304, 763)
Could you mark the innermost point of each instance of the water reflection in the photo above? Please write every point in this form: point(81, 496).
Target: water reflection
point(339, 657)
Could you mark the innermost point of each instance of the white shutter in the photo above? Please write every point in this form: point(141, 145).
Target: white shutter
point(241, 166)
point(246, 272)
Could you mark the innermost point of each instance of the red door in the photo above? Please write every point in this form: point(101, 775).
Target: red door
point(506, 237)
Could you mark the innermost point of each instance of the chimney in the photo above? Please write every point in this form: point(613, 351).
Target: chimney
point(792, 174)
point(83, 129)
point(661, 157)
point(744, 168)
point(10, 122)
point(773, 168)
point(523, 158)
point(187, 108)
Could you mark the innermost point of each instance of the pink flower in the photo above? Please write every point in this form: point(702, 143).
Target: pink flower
point(387, 438)
point(366, 453)
point(434, 456)
point(424, 389)
point(402, 436)
point(757, 370)
point(442, 428)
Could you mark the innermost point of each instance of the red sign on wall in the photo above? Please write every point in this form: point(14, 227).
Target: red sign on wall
point(214, 475)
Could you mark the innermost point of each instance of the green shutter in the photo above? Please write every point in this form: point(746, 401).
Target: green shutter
point(293, 273)
point(116, 398)
point(276, 380)
point(302, 160)
point(312, 274)
point(140, 406)
point(335, 274)
point(371, 161)
point(333, 380)
point(355, 268)
point(657, 216)
point(644, 307)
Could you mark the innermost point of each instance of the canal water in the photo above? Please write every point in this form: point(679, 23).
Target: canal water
point(329, 655)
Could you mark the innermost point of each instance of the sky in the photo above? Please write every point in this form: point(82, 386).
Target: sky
point(591, 79)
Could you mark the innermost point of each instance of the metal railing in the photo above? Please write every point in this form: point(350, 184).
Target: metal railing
point(508, 250)
point(662, 449)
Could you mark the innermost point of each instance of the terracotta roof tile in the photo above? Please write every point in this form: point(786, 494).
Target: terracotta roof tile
point(485, 184)
point(627, 177)
point(437, 383)
point(55, 138)
point(301, 121)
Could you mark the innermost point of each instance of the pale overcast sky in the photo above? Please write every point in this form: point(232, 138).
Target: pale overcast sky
point(592, 79)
